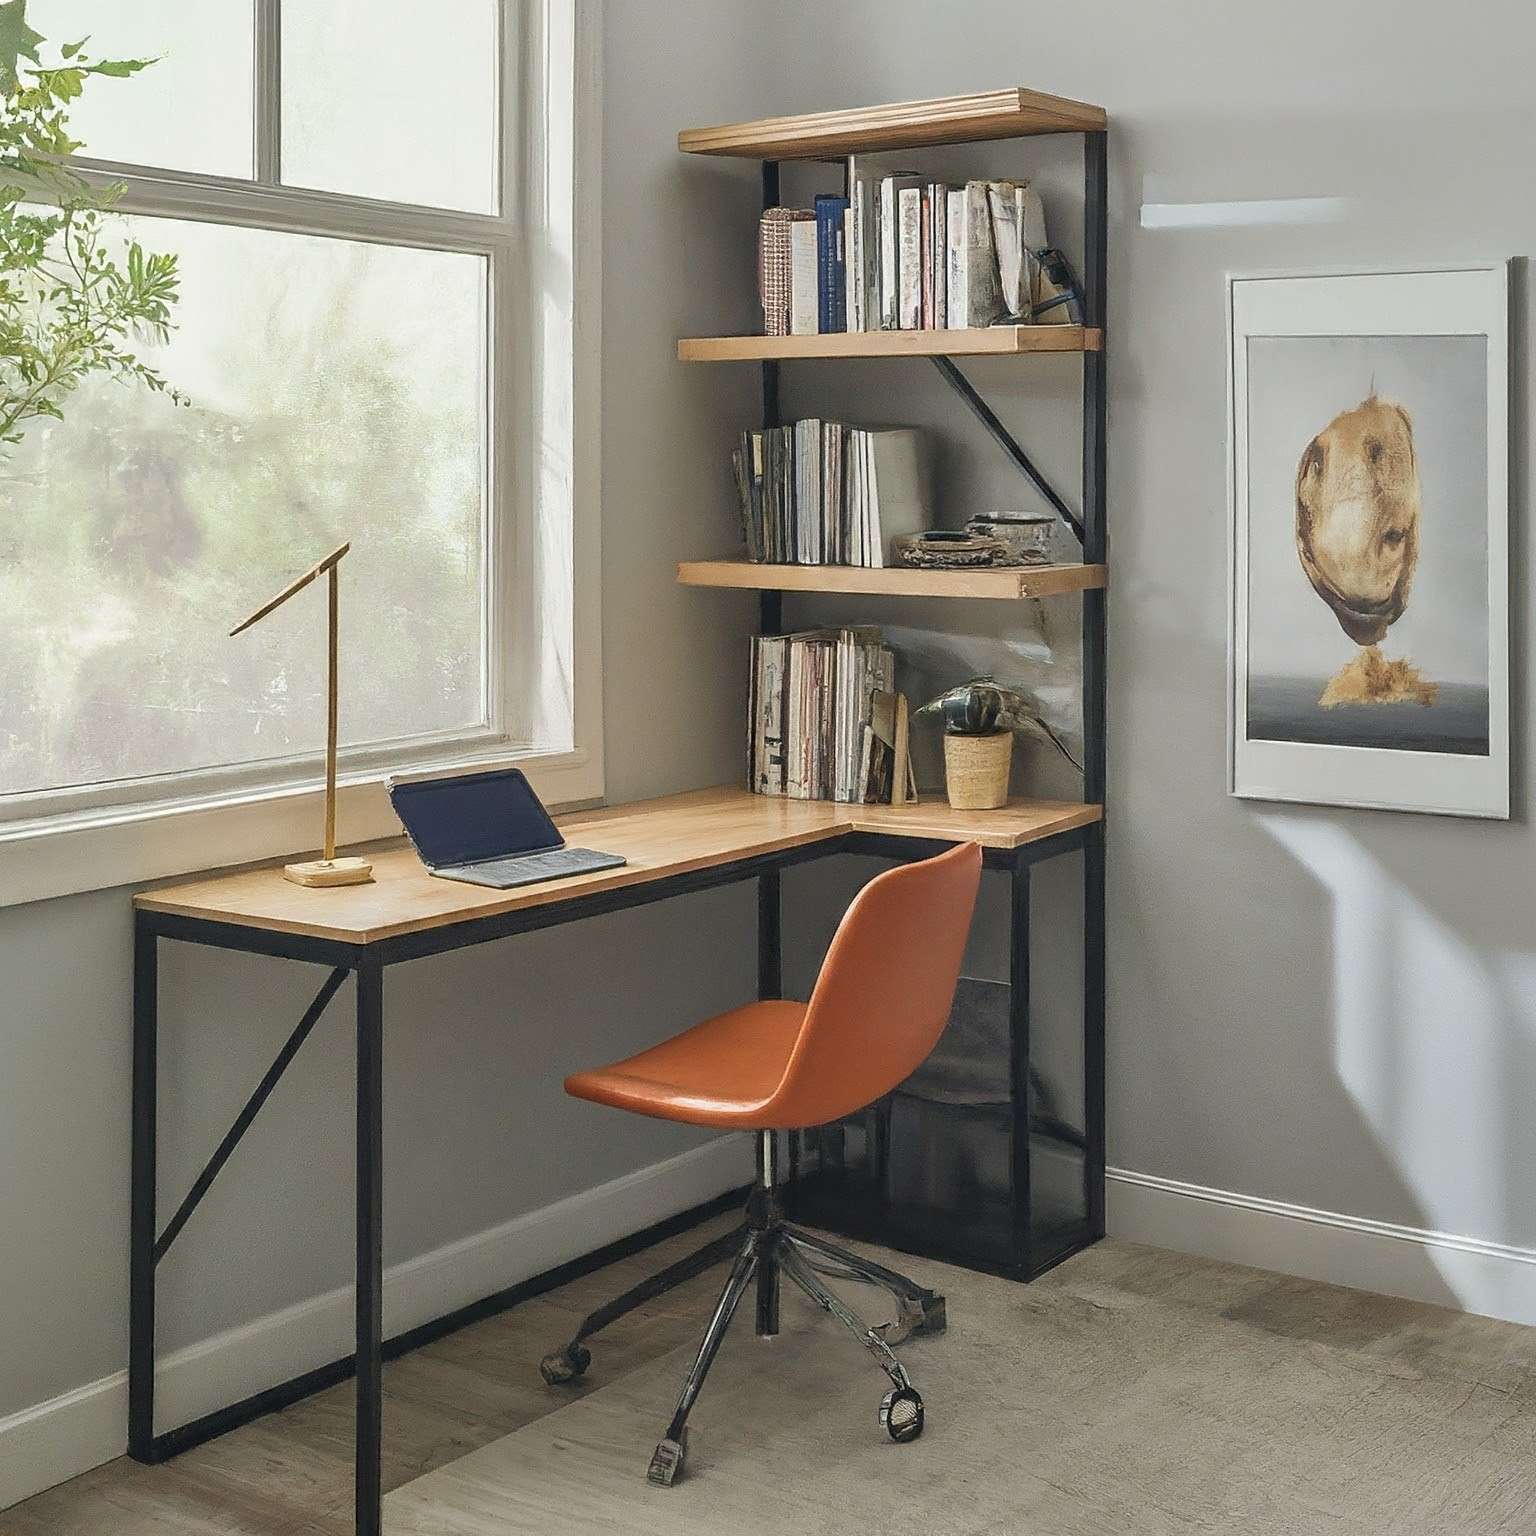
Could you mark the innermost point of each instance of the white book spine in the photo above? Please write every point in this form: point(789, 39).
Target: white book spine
point(803, 317)
point(869, 249)
point(957, 259)
point(983, 291)
point(853, 267)
point(890, 254)
point(910, 274)
point(940, 256)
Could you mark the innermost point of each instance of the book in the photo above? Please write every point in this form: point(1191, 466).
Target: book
point(831, 264)
point(898, 479)
point(909, 272)
point(938, 194)
point(1018, 230)
point(926, 252)
point(975, 295)
point(803, 284)
point(853, 288)
point(774, 263)
point(888, 231)
point(955, 259)
point(863, 247)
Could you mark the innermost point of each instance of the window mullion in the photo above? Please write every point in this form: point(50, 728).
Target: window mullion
point(267, 16)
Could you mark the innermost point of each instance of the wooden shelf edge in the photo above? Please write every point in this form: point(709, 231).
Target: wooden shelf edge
point(1012, 113)
point(932, 816)
point(989, 341)
point(1005, 583)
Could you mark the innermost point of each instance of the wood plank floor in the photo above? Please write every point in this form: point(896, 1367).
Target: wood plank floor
point(1130, 1392)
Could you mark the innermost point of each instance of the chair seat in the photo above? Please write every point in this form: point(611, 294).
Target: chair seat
point(722, 1072)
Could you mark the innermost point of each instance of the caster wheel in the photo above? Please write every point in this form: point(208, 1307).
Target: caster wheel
point(565, 1364)
point(667, 1461)
point(901, 1414)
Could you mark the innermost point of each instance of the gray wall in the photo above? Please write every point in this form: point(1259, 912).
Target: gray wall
point(1326, 1007)
point(478, 1130)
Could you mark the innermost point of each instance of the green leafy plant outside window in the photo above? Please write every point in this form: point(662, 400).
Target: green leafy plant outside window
point(70, 305)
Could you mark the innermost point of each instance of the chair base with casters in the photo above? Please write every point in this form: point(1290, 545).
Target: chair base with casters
point(881, 1001)
point(765, 1248)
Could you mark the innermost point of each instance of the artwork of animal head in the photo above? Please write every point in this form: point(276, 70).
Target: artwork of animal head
point(1357, 516)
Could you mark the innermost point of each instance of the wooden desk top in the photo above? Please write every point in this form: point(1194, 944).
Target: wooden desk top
point(670, 836)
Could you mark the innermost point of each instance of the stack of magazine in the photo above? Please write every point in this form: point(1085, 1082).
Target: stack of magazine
point(822, 717)
point(821, 493)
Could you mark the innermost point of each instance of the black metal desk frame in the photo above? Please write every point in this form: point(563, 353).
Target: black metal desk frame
point(367, 964)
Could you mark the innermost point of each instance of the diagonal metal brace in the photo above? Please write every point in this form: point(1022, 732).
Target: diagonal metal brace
point(204, 1181)
point(984, 413)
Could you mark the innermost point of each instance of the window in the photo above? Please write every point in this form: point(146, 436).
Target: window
point(363, 316)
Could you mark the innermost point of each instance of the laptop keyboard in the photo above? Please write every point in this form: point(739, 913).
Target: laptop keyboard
point(528, 868)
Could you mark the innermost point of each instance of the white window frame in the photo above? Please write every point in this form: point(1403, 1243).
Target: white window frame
point(543, 255)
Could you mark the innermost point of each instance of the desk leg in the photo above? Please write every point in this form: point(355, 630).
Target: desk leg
point(1019, 1066)
point(370, 1244)
point(141, 1240)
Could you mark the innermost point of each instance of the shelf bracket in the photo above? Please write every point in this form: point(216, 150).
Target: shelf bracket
point(984, 413)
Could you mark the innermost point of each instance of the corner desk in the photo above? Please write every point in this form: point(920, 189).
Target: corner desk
point(674, 845)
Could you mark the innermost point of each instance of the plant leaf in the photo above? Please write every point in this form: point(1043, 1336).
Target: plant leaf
point(17, 41)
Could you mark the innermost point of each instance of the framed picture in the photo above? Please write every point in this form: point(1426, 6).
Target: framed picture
point(1369, 601)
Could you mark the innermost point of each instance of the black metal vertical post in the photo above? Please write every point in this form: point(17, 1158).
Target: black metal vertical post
point(1018, 1035)
point(1095, 636)
point(770, 978)
point(770, 984)
point(370, 1245)
point(141, 1236)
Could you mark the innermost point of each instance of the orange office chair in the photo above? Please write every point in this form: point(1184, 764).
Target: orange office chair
point(877, 1010)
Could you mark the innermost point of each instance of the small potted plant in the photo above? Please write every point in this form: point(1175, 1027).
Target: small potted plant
point(980, 719)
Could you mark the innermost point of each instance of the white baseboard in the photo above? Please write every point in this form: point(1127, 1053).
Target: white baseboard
point(83, 1428)
point(1461, 1272)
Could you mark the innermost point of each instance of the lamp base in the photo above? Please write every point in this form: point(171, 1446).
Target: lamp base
point(329, 872)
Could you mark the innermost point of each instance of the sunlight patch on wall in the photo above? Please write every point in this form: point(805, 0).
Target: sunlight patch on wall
point(1419, 1027)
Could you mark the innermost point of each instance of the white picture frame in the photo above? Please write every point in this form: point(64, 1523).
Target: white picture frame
point(1297, 344)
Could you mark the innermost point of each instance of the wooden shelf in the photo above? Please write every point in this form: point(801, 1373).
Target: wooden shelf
point(1007, 114)
point(990, 341)
point(1002, 582)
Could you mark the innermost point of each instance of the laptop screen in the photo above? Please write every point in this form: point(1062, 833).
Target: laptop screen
point(473, 817)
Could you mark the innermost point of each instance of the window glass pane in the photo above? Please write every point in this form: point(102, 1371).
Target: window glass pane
point(392, 99)
point(192, 110)
point(338, 393)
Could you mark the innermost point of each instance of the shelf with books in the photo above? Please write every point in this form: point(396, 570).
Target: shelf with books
point(1001, 582)
point(986, 341)
point(904, 282)
point(1007, 114)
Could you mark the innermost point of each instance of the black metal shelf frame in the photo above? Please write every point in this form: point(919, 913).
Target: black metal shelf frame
point(852, 1214)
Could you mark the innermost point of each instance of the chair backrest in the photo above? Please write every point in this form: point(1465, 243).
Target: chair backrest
point(885, 989)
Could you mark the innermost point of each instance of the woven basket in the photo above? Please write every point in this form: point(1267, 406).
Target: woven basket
point(976, 770)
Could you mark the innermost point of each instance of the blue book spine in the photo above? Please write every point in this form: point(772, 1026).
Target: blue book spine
point(831, 264)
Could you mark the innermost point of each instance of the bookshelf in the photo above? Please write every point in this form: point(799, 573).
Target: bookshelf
point(1009, 1184)
point(994, 341)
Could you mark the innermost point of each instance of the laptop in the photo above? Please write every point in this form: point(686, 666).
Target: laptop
point(488, 829)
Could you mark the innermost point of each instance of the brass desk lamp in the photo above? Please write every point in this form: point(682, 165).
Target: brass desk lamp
point(328, 869)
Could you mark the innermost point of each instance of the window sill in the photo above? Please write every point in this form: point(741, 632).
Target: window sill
point(135, 844)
